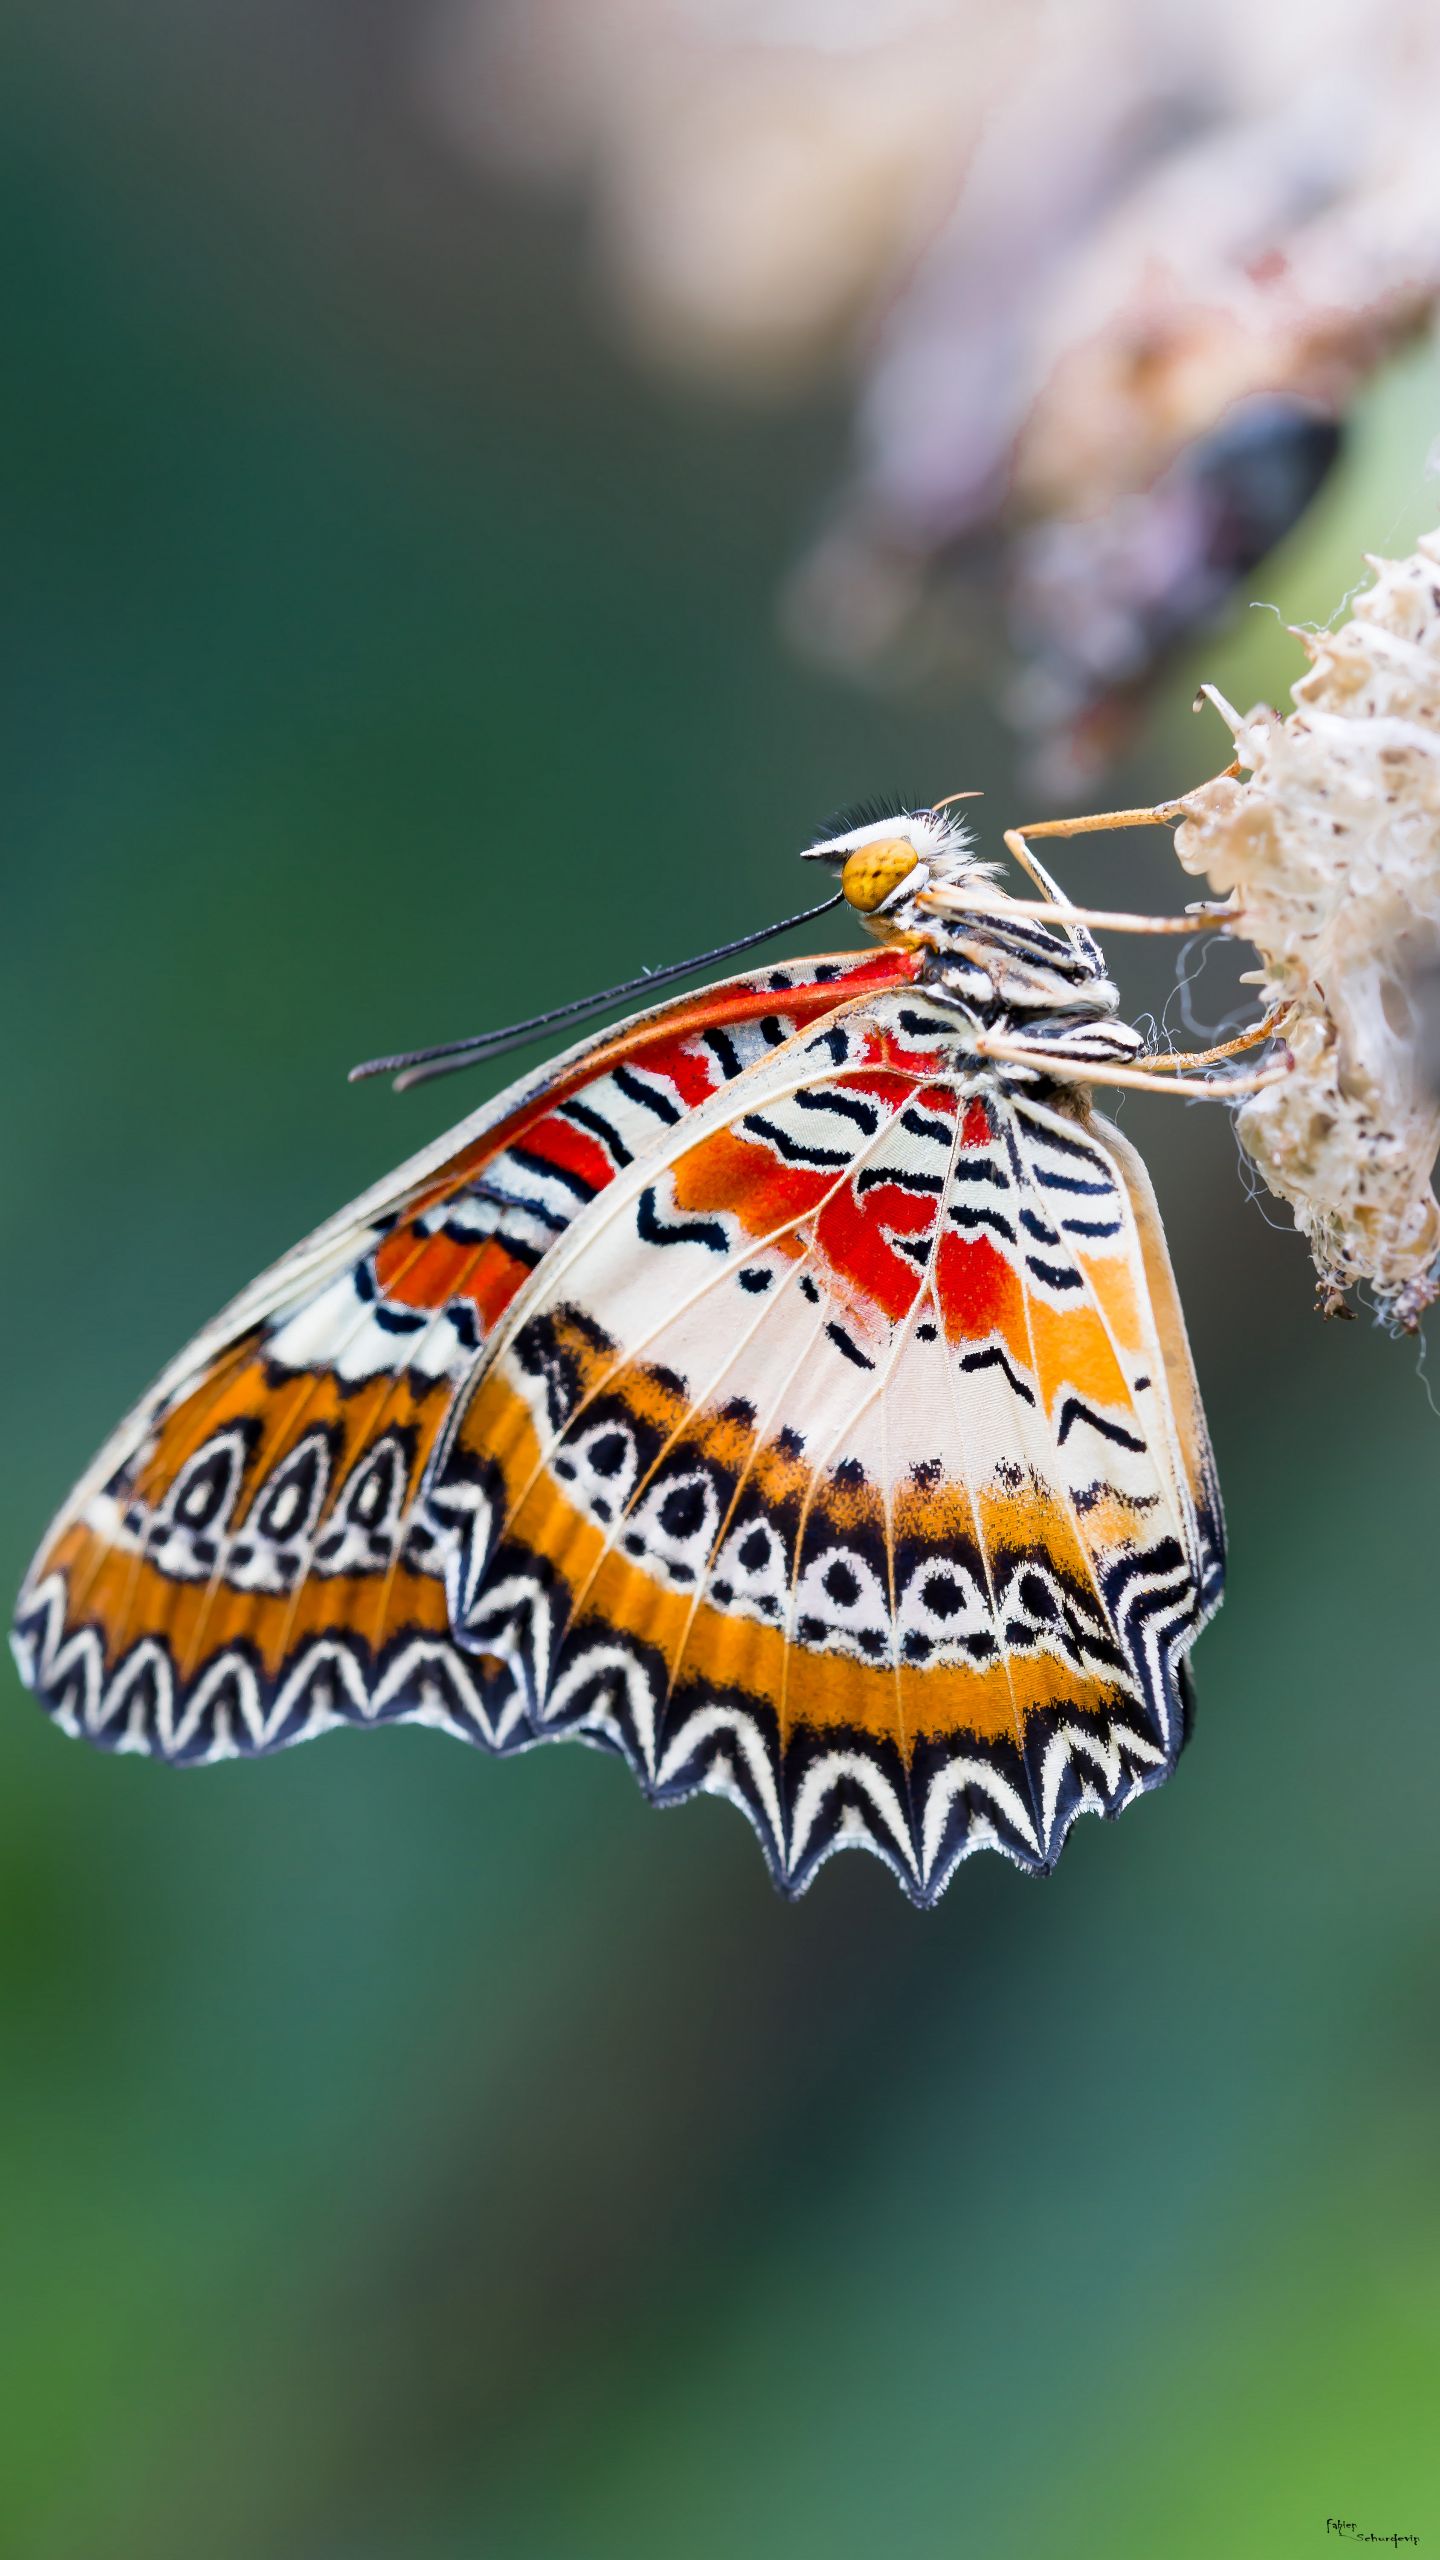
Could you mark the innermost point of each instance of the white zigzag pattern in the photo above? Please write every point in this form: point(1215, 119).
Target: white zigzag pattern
point(727, 1750)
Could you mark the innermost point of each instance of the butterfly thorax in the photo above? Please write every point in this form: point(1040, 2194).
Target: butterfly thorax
point(1041, 981)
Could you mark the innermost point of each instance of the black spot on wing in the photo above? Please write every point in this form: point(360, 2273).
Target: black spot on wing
point(1055, 1275)
point(511, 1202)
point(534, 1162)
point(851, 1350)
point(392, 1319)
point(851, 1106)
point(791, 1150)
point(1074, 1410)
point(461, 1316)
point(721, 1046)
point(1050, 1180)
point(994, 1358)
point(928, 1026)
point(898, 1177)
point(1037, 1227)
point(1044, 1144)
point(585, 1116)
point(653, 1229)
point(925, 1124)
point(967, 1218)
point(651, 1097)
point(1098, 1227)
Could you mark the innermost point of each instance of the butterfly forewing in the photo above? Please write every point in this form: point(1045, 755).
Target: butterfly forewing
point(252, 1557)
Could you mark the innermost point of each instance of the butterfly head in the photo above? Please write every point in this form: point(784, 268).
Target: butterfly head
point(886, 856)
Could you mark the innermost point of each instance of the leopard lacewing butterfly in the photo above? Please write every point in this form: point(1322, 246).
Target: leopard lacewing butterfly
point(785, 1389)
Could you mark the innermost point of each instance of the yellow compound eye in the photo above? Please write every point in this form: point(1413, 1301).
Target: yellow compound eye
point(873, 870)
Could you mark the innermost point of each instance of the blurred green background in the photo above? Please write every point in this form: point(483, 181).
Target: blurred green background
point(404, 2156)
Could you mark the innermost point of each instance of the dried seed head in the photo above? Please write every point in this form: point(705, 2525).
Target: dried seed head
point(1332, 848)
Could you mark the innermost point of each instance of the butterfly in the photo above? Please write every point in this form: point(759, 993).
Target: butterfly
point(785, 1389)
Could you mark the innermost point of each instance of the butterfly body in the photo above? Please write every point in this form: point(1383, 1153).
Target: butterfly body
point(778, 1390)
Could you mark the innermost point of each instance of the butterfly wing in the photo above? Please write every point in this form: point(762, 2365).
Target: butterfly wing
point(845, 1459)
point(251, 1558)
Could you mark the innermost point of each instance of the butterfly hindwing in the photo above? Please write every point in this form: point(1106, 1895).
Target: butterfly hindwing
point(838, 1461)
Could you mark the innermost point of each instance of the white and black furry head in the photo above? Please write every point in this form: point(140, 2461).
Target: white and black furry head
point(887, 853)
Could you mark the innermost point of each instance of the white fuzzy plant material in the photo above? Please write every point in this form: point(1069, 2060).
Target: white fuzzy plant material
point(1331, 852)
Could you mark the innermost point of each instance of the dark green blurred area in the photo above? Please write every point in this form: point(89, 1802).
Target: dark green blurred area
point(407, 2157)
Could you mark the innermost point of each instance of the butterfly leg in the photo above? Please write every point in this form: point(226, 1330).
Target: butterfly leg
point(950, 902)
point(1163, 813)
point(1170, 1061)
point(1069, 1070)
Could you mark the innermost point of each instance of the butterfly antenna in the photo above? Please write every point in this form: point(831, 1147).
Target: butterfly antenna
point(419, 1066)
